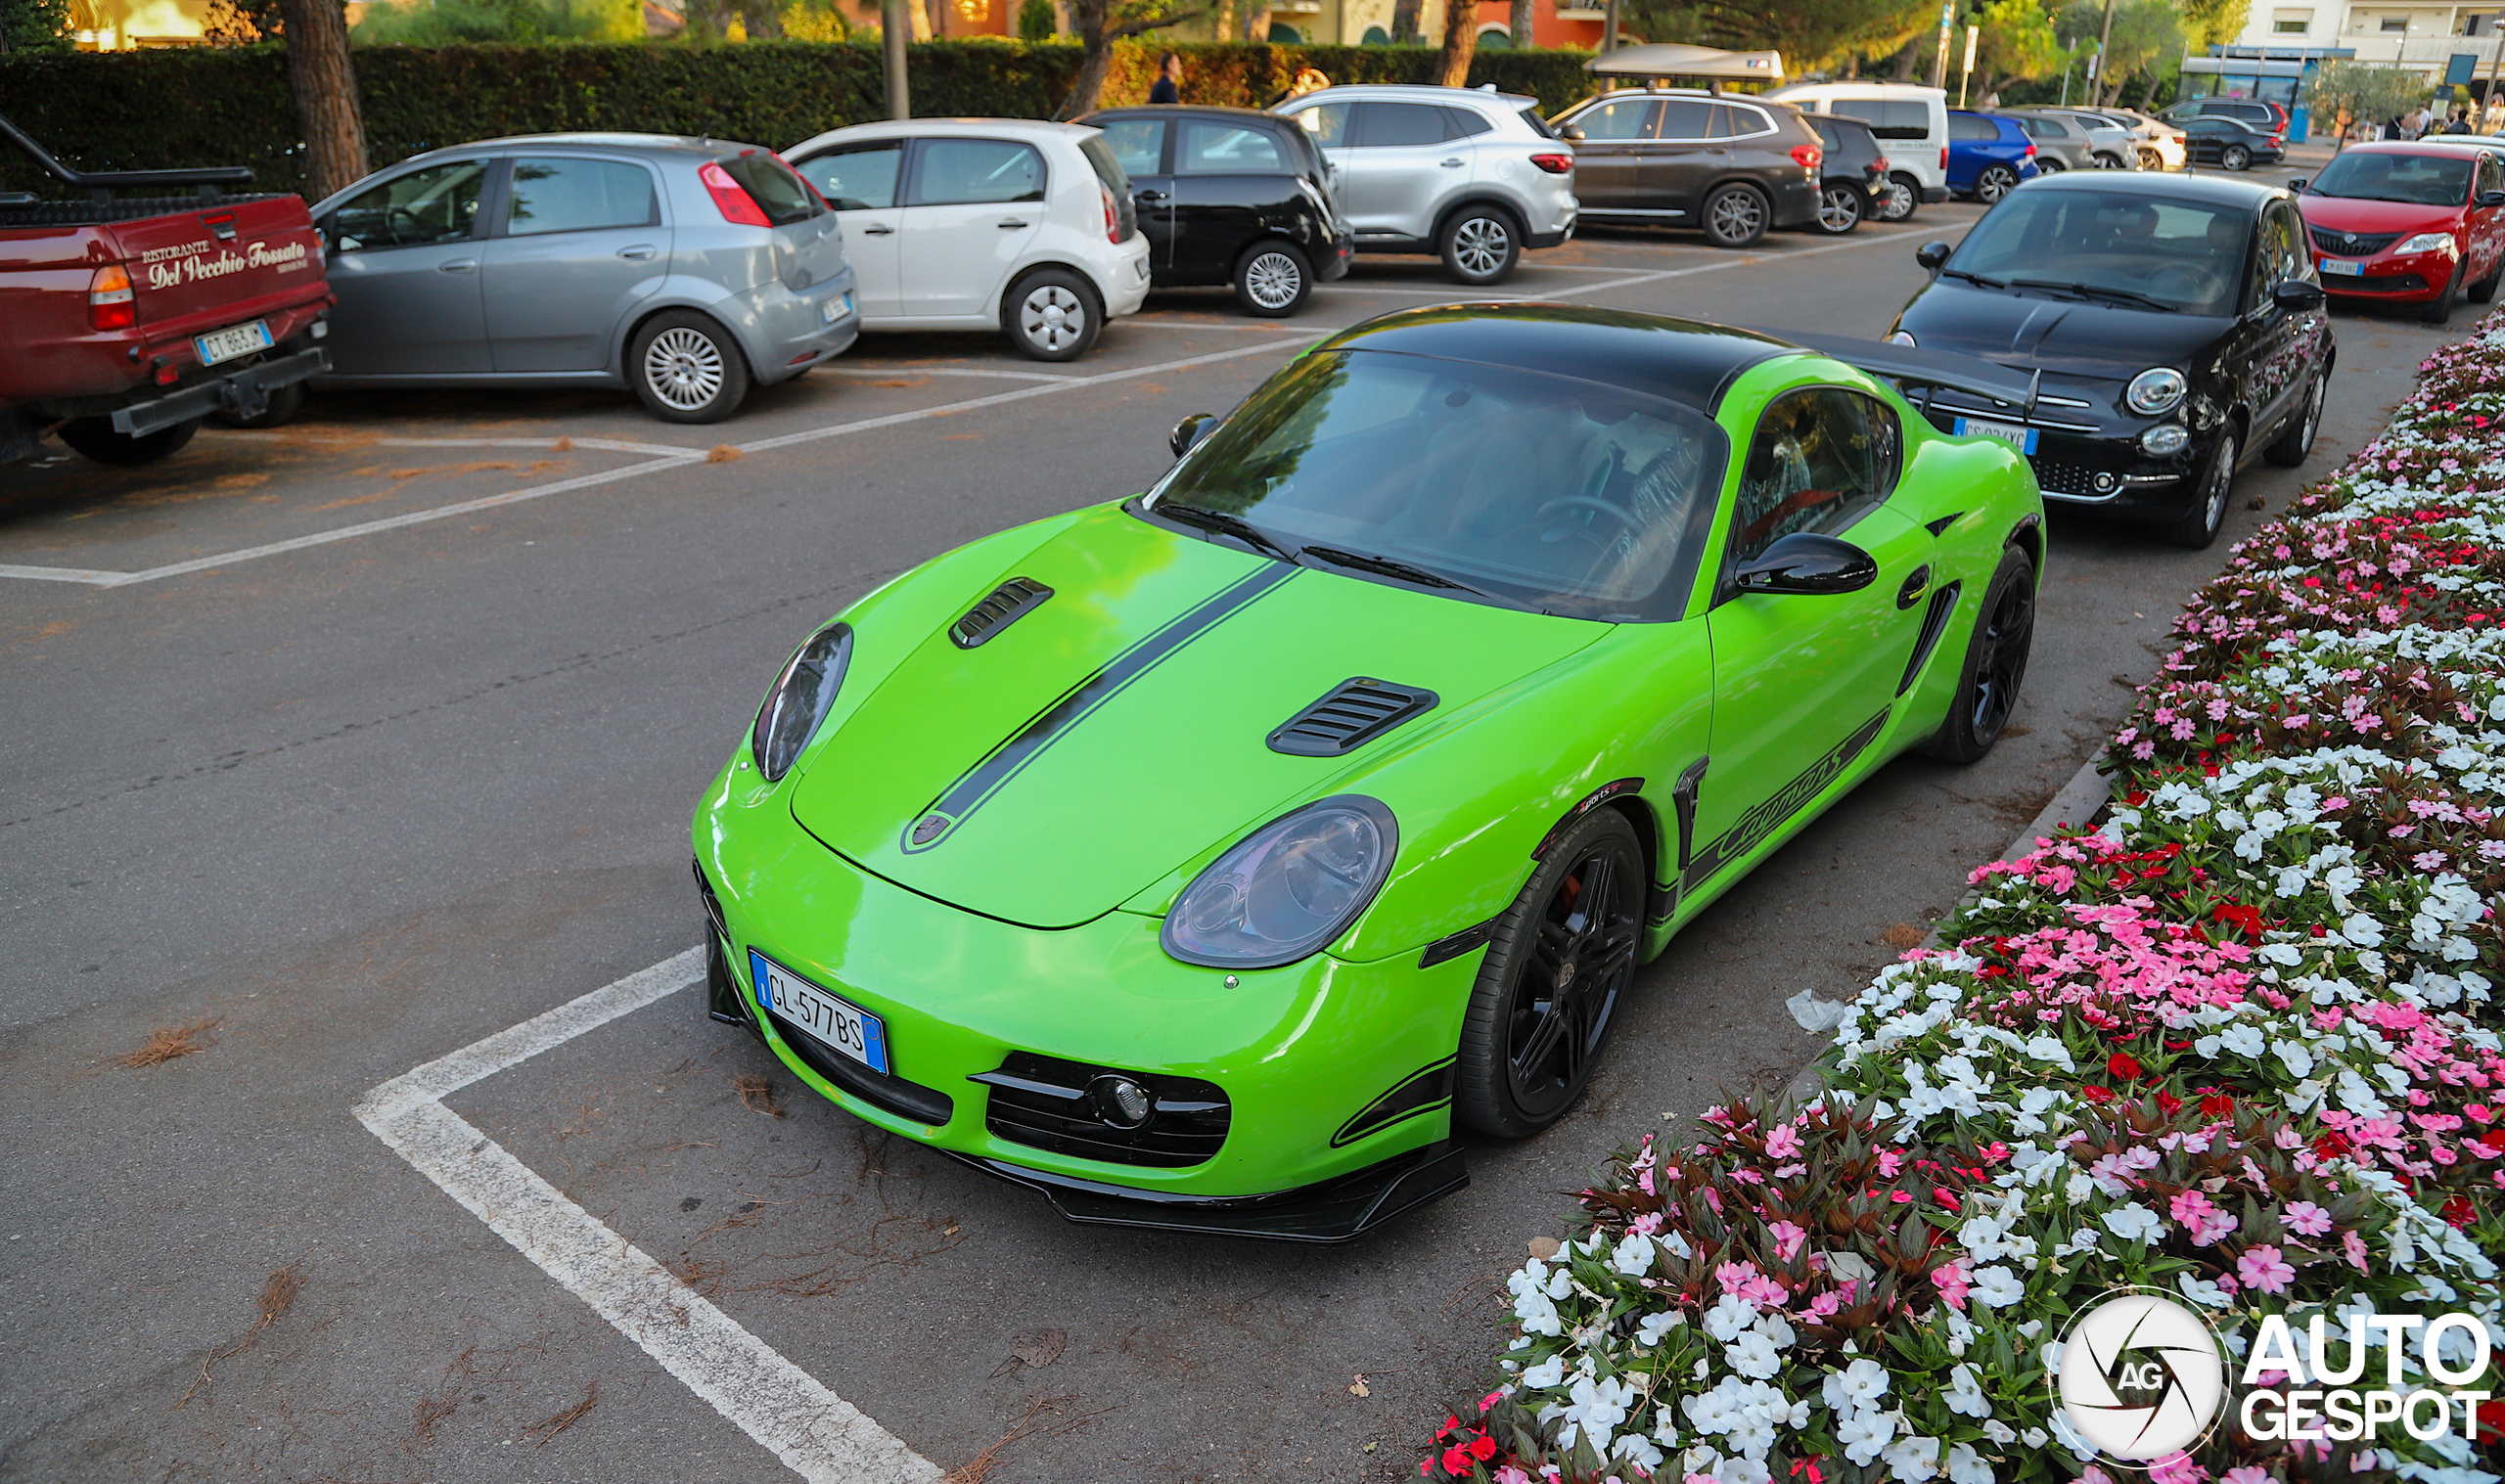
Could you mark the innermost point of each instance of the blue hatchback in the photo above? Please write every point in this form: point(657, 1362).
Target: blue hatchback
point(1988, 155)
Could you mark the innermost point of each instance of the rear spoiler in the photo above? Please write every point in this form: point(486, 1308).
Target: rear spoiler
point(100, 186)
point(1911, 366)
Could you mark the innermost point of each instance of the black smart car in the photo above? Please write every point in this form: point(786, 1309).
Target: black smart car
point(1230, 195)
point(1850, 176)
point(2176, 324)
point(1732, 165)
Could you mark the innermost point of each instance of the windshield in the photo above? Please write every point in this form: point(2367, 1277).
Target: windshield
point(2418, 180)
point(1517, 487)
point(2119, 245)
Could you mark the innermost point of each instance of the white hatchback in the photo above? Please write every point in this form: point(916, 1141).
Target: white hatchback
point(1008, 224)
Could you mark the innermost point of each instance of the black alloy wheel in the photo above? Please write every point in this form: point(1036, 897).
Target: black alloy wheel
point(1897, 200)
point(1548, 990)
point(2291, 447)
point(1736, 215)
point(2201, 522)
point(1840, 207)
point(1995, 663)
point(1995, 181)
point(2236, 156)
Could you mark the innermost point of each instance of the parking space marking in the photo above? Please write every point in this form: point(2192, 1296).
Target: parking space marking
point(959, 370)
point(817, 1434)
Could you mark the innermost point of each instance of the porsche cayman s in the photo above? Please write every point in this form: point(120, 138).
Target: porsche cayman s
point(1203, 859)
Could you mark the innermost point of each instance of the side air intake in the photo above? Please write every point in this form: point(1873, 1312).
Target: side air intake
point(1349, 715)
point(1010, 602)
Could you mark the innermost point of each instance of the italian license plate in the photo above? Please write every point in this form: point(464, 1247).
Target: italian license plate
point(234, 340)
point(849, 1028)
point(2021, 438)
point(2344, 267)
point(835, 308)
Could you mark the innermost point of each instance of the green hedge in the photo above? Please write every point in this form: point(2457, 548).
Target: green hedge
point(213, 106)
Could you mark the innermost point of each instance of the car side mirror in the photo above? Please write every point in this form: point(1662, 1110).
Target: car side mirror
point(2491, 198)
point(2297, 294)
point(1807, 563)
point(1572, 133)
point(1189, 431)
point(1931, 255)
point(2298, 184)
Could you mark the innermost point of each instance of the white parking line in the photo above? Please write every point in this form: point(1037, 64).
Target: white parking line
point(959, 370)
point(817, 1434)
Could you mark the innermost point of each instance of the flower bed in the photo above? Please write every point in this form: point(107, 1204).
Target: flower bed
point(2240, 1043)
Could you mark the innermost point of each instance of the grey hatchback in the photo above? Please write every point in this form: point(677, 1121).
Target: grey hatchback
point(687, 269)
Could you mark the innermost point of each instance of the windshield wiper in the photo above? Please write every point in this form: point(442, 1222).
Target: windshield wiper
point(2091, 290)
point(1225, 524)
point(1367, 561)
point(1972, 277)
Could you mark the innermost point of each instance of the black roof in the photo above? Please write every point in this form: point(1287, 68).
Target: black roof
point(1684, 361)
point(2200, 190)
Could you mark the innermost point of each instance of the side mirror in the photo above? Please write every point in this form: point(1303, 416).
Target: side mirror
point(2491, 198)
point(2297, 294)
point(2298, 184)
point(1572, 133)
point(1189, 431)
point(1931, 255)
point(1806, 563)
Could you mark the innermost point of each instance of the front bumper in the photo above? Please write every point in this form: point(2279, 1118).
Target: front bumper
point(2419, 278)
point(1306, 1056)
point(2077, 462)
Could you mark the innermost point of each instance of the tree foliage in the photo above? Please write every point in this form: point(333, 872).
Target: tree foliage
point(436, 23)
point(2340, 94)
point(1037, 21)
point(29, 26)
point(1813, 34)
point(2015, 42)
point(1098, 24)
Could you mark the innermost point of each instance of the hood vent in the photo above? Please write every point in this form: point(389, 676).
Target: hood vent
point(1010, 602)
point(1349, 715)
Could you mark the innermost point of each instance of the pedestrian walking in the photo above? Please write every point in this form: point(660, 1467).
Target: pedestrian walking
point(1168, 86)
point(2459, 123)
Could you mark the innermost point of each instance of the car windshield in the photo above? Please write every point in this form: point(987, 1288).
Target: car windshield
point(2418, 180)
point(2122, 247)
point(1512, 486)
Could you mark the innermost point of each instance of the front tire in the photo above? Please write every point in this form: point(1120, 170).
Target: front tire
point(2235, 156)
point(2199, 525)
point(1480, 244)
point(1736, 215)
point(1993, 183)
point(2440, 308)
point(687, 369)
point(1840, 207)
point(1052, 315)
point(1272, 280)
point(2049, 164)
point(1995, 664)
point(1902, 198)
point(95, 438)
point(2291, 447)
point(1557, 964)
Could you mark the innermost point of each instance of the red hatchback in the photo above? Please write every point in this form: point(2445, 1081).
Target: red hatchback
point(2420, 223)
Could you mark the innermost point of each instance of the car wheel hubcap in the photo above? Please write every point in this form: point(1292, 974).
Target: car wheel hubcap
point(1900, 201)
point(1053, 317)
point(1581, 956)
point(2213, 502)
point(1736, 217)
point(684, 368)
point(1272, 280)
point(1995, 185)
point(2313, 416)
point(2009, 632)
point(1839, 209)
point(1480, 244)
point(2235, 158)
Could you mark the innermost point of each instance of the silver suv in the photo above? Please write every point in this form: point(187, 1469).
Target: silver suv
point(1471, 174)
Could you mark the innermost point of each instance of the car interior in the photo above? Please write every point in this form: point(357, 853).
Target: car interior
point(436, 204)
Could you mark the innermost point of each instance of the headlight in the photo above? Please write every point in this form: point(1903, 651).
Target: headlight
point(2164, 439)
point(2154, 390)
point(800, 699)
point(2428, 242)
point(1901, 337)
point(1287, 888)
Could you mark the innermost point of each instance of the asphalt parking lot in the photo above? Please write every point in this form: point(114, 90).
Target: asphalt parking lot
point(339, 748)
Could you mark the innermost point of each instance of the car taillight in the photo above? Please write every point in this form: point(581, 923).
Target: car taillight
point(1880, 164)
point(109, 301)
point(1112, 215)
point(1555, 165)
point(1943, 156)
point(731, 198)
point(1808, 156)
point(2029, 154)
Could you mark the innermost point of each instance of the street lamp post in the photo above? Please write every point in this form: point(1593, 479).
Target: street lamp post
point(896, 25)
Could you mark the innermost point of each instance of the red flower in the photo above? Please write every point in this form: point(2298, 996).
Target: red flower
point(2216, 1105)
point(2332, 1145)
point(2122, 1067)
point(1451, 1425)
point(2459, 1212)
point(2095, 1093)
point(2168, 1104)
point(1482, 1447)
point(2494, 1138)
point(1456, 1463)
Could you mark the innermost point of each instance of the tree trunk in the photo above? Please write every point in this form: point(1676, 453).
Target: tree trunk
point(1405, 20)
point(762, 20)
point(1094, 62)
point(1256, 20)
point(325, 88)
point(1525, 25)
point(1461, 42)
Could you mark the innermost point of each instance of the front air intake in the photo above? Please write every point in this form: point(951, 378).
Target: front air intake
point(1010, 602)
point(1349, 715)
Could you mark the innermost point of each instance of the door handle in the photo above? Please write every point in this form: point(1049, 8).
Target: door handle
point(875, 229)
point(639, 251)
point(1149, 195)
point(1449, 164)
point(1013, 222)
point(456, 265)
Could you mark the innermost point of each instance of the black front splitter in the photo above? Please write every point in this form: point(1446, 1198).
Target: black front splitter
point(1335, 1210)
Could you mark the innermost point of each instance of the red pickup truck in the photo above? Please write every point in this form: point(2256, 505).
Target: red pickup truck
point(130, 319)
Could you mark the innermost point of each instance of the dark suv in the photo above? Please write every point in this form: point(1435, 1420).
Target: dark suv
point(1230, 195)
point(1852, 174)
point(1733, 165)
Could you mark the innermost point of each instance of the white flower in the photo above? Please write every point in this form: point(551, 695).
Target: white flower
point(1649, 1333)
point(1966, 1394)
point(1753, 1355)
point(1999, 1432)
point(1743, 1471)
point(1598, 1406)
point(1634, 1255)
point(1777, 1331)
point(1961, 1332)
point(1634, 1448)
point(1538, 1313)
point(1548, 1373)
point(2201, 1290)
point(1857, 1385)
point(1967, 1467)
point(1727, 1317)
point(1914, 1459)
point(2244, 1040)
point(1997, 1287)
point(1865, 1434)
point(2133, 1223)
point(2296, 1058)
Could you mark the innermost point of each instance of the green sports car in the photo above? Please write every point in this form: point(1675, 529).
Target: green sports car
point(1201, 859)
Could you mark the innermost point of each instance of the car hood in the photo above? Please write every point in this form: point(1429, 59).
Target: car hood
point(1118, 730)
point(2063, 336)
point(2340, 214)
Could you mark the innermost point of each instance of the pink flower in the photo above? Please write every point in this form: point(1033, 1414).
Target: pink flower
point(2261, 1267)
point(2306, 1219)
point(2177, 1469)
point(1509, 1475)
point(1782, 1142)
point(2355, 1247)
point(1787, 1239)
point(1889, 1161)
point(1952, 1281)
point(2247, 1475)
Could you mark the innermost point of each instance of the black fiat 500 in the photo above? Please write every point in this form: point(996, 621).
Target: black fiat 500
point(2174, 323)
point(1230, 195)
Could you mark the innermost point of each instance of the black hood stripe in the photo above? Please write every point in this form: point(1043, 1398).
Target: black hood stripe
point(989, 776)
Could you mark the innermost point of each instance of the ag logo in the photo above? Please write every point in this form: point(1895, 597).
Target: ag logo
point(2141, 1376)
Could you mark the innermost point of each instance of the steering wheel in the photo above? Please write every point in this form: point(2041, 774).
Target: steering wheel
point(417, 230)
point(1594, 503)
point(2184, 281)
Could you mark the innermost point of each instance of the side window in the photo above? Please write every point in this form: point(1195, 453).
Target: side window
point(861, 178)
point(1464, 124)
point(1383, 125)
point(1687, 119)
point(952, 172)
point(1625, 118)
point(1139, 144)
point(1830, 137)
point(2492, 176)
point(1325, 125)
point(1821, 459)
point(437, 205)
point(1972, 129)
point(1737, 120)
point(557, 194)
point(1226, 148)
